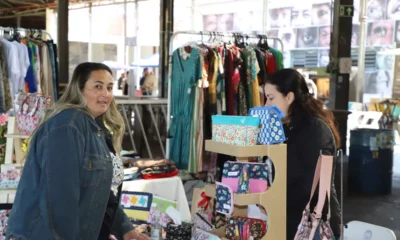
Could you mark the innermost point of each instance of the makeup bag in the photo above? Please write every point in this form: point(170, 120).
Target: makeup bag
point(245, 227)
point(201, 221)
point(257, 176)
point(235, 130)
point(271, 131)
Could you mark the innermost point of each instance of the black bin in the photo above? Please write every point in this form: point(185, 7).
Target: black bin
point(371, 161)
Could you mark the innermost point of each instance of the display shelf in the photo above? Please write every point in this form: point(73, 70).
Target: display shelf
point(241, 151)
point(20, 136)
point(274, 199)
point(14, 142)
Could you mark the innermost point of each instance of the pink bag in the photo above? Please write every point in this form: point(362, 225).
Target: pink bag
point(312, 223)
point(257, 176)
point(28, 108)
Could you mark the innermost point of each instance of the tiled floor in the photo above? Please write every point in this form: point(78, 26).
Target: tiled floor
point(383, 211)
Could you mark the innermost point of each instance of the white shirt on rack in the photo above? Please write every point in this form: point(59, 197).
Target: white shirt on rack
point(13, 70)
point(24, 63)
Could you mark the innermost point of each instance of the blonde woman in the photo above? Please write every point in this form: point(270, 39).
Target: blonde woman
point(71, 181)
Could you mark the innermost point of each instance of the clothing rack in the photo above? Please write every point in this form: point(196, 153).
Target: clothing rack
point(27, 31)
point(203, 34)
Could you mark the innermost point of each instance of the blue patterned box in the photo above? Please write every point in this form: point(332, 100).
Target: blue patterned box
point(235, 130)
point(271, 131)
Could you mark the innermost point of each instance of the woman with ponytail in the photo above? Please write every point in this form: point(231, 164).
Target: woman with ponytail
point(310, 130)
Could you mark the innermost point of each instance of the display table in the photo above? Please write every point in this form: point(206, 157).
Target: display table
point(168, 188)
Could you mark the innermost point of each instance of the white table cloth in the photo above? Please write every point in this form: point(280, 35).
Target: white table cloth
point(168, 188)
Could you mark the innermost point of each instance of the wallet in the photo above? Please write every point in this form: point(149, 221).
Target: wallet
point(244, 228)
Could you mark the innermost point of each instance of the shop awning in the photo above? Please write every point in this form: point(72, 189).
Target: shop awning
point(152, 61)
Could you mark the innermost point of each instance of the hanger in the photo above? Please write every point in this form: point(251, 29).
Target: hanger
point(239, 42)
point(16, 35)
point(202, 40)
point(263, 42)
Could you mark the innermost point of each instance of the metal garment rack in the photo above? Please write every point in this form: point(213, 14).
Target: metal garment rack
point(26, 31)
point(202, 34)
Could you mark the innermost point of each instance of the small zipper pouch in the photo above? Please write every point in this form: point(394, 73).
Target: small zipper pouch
point(200, 221)
point(244, 228)
point(224, 199)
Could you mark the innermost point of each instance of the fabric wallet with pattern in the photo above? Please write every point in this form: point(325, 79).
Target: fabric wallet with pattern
point(257, 176)
point(256, 228)
point(136, 205)
point(224, 199)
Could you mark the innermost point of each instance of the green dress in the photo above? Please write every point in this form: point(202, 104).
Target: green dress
point(185, 74)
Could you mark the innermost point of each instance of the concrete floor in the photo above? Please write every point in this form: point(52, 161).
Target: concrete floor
point(382, 210)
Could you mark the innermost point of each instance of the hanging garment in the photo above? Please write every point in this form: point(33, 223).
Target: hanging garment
point(186, 71)
point(2, 75)
point(13, 70)
point(30, 76)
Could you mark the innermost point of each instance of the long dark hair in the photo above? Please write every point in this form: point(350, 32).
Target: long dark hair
point(304, 104)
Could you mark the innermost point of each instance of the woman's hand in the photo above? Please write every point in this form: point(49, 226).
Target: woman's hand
point(135, 235)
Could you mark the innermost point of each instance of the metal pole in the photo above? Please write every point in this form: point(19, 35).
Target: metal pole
point(125, 33)
point(90, 44)
point(62, 40)
point(166, 29)
point(361, 51)
point(265, 16)
point(19, 21)
point(193, 8)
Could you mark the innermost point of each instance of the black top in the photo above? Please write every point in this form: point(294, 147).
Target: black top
point(306, 138)
point(113, 200)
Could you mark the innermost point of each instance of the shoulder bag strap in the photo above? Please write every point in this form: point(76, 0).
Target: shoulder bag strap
point(315, 181)
point(323, 175)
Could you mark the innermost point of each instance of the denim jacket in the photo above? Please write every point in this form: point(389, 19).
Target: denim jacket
point(66, 182)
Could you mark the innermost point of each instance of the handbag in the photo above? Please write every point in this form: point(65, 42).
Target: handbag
point(28, 108)
point(312, 224)
point(271, 131)
point(257, 176)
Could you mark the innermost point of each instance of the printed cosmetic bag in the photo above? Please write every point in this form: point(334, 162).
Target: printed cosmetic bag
point(257, 176)
point(224, 199)
point(200, 221)
point(247, 228)
point(271, 131)
point(28, 108)
point(235, 130)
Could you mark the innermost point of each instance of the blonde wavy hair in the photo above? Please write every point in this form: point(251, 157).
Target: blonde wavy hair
point(73, 98)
